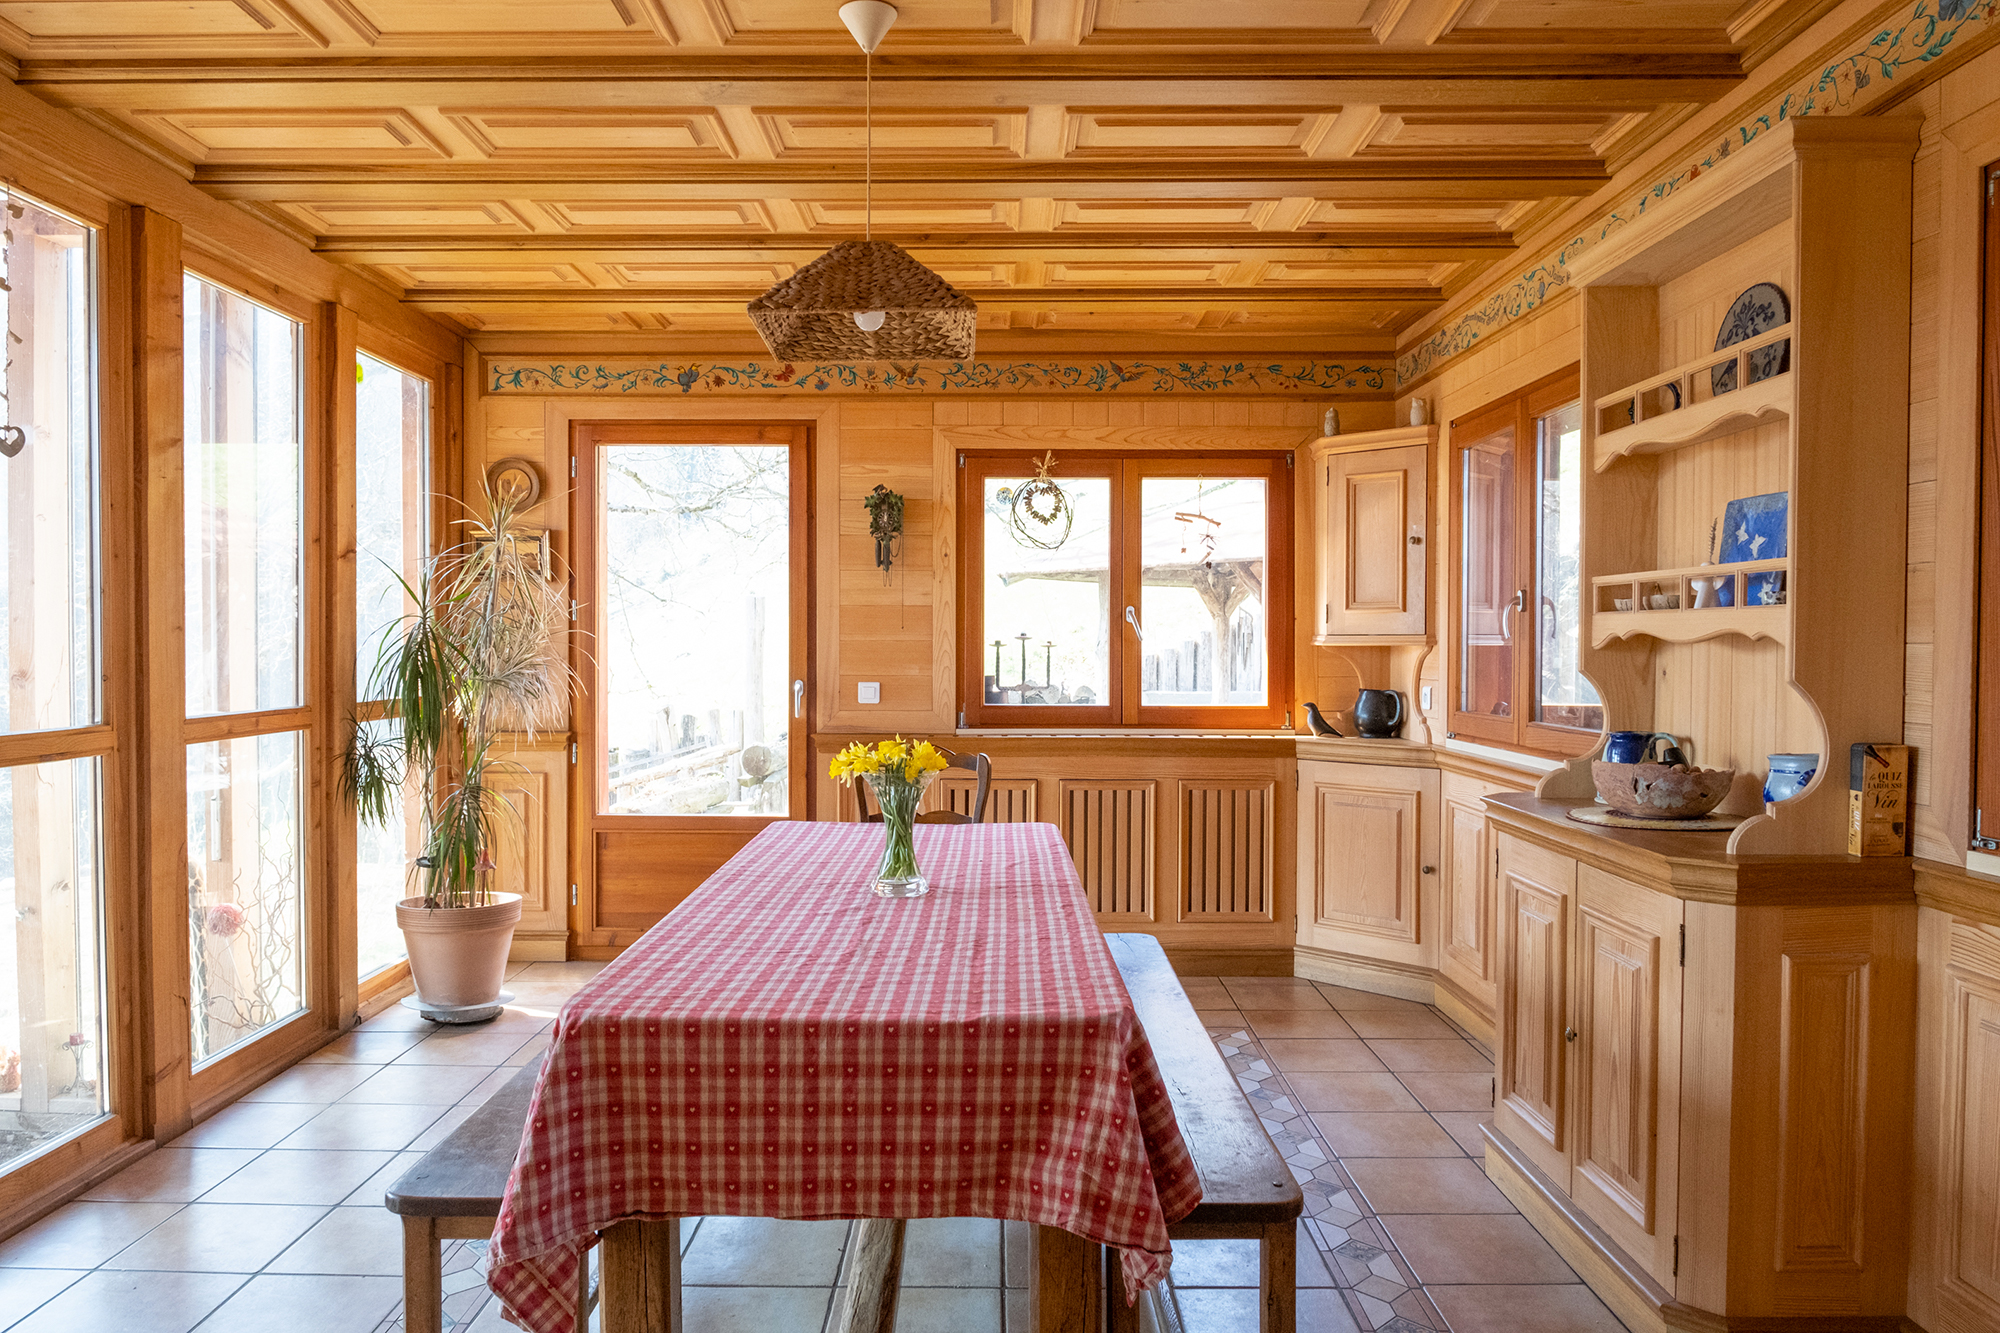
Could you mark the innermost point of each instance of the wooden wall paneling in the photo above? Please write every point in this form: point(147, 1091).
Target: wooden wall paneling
point(1225, 849)
point(157, 430)
point(1110, 827)
point(1537, 903)
point(338, 330)
point(1628, 1065)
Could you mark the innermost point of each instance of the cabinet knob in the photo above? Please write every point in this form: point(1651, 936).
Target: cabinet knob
point(1569, 1034)
point(1430, 870)
point(1416, 541)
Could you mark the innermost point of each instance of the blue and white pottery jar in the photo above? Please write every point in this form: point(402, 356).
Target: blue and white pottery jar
point(1789, 775)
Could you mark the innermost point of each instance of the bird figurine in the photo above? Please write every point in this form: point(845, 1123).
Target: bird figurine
point(1320, 726)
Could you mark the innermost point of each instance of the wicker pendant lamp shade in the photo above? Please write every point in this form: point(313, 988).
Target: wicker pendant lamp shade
point(810, 315)
point(866, 300)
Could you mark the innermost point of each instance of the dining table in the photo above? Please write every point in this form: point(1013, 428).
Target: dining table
point(788, 1044)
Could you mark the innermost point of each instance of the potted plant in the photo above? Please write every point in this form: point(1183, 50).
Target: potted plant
point(479, 655)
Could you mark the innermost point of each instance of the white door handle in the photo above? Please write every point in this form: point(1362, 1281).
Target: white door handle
point(1132, 619)
point(798, 698)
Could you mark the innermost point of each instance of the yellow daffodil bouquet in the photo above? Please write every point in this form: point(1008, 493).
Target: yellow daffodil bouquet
point(897, 771)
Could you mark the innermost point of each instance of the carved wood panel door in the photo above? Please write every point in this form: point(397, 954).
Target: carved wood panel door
point(1537, 899)
point(1627, 1070)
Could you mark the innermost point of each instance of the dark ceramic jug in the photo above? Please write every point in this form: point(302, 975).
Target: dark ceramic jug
point(1378, 713)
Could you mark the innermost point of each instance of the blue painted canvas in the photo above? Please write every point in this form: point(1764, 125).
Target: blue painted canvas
point(1764, 589)
point(1754, 528)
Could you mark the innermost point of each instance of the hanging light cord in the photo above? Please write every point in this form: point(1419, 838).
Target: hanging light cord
point(868, 152)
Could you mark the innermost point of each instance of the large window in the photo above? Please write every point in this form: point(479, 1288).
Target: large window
point(1518, 544)
point(245, 650)
point(52, 975)
point(391, 534)
point(1119, 590)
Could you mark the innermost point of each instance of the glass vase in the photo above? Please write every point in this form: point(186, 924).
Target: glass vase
point(898, 875)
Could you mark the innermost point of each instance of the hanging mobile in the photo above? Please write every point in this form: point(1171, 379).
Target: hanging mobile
point(1043, 504)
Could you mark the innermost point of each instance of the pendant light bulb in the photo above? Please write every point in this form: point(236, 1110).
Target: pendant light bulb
point(868, 321)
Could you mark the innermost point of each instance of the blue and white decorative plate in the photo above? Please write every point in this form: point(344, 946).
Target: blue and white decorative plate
point(1759, 309)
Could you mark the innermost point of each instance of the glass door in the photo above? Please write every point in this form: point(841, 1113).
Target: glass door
point(691, 583)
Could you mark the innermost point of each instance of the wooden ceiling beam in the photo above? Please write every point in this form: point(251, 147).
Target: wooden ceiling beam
point(1196, 87)
point(1400, 179)
point(1291, 247)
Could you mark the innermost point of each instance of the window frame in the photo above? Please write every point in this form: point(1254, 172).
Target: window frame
point(1127, 471)
point(1518, 412)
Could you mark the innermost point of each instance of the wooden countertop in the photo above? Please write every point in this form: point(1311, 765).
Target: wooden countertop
point(1694, 866)
point(1963, 893)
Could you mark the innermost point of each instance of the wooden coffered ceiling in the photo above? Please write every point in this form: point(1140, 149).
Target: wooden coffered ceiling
point(1262, 174)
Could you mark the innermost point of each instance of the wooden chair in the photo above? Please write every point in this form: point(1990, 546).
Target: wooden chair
point(977, 764)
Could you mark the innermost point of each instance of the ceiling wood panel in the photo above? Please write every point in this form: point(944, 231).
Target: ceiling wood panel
point(1266, 173)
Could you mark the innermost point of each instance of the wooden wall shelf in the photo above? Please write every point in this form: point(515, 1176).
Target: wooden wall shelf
point(1758, 404)
point(1692, 626)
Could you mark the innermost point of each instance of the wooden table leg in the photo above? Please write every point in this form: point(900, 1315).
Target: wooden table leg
point(1118, 1316)
point(1278, 1283)
point(639, 1277)
point(423, 1276)
point(1065, 1282)
point(876, 1278)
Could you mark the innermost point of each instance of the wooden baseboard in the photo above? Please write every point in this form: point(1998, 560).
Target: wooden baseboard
point(539, 947)
point(1194, 962)
point(22, 1213)
point(1372, 975)
point(1632, 1293)
point(1477, 1024)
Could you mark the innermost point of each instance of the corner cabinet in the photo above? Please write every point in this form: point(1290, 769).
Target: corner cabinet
point(1368, 861)
point(1371, 529)
point(532, 855)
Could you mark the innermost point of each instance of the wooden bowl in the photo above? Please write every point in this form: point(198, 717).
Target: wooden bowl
point(1661, 791)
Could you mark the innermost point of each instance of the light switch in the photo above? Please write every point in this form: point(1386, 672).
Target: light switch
point(1426, 694)
point(868, 692)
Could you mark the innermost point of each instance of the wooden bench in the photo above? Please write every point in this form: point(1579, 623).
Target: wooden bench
point(1248, 1193)
point(453, 1193)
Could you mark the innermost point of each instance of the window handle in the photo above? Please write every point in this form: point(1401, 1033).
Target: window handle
point(1132, 619)
point(1521, 599)
point(798, 698)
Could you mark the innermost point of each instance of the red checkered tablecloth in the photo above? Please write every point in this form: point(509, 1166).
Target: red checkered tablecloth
point(788, 1044)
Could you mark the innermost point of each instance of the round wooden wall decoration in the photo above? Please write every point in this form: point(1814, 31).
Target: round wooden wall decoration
point(516, 479)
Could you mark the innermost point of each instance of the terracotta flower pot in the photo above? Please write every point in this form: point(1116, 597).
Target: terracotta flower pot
point(458, 955)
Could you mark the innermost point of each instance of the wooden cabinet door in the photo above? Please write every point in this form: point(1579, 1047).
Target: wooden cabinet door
point(1626, 1074)
point(532, 853)
point(1373, 555)
point(1367, 865)
point(1466, 901)
point(1537, 896)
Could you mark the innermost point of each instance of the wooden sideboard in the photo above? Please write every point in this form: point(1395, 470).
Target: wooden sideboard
point(1704, 1069)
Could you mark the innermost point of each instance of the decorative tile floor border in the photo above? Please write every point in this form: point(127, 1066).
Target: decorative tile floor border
point(1376, 1282)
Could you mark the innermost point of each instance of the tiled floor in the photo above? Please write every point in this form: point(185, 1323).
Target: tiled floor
point(268, 1215)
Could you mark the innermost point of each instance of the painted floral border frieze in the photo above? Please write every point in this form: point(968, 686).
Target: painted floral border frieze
point(1844, 86)
point(622, 376)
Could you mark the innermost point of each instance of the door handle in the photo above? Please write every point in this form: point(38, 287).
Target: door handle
point(798, 698)
point(1132, 619)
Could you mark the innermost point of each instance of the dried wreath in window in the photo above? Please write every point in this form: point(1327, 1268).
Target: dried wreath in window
point(1038, 506)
